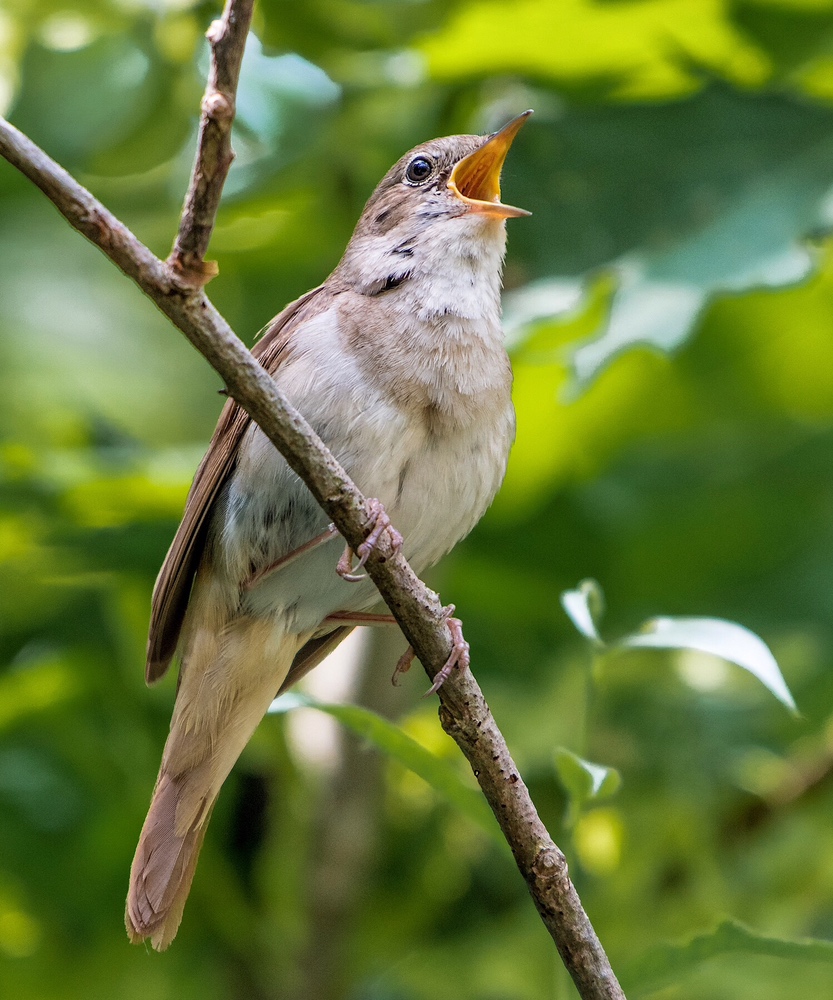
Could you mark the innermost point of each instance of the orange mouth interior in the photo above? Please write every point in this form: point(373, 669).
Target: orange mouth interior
point(476, 178)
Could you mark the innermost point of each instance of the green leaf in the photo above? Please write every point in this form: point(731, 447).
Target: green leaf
point(116, 69)
point(662, 965)
point(683, 201)
point(585, 606)
point(715, 636)
point(584, 781)
point(389, 738)
point(637, 49)
point(281, 102)
point(727, 640)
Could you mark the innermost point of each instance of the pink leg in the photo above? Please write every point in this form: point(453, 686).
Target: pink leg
point(361, 618)
point(290, 557)
point(381, 523)
point(460, 655)
point(460, 652)
point(358, 618)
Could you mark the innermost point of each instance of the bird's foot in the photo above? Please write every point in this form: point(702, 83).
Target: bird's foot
point(460, 655)
point(460, 652)
point(381, 523)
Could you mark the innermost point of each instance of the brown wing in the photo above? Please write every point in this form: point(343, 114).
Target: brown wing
point(173, 585)
point(312, 653)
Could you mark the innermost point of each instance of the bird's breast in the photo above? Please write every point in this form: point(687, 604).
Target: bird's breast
point(435, 467)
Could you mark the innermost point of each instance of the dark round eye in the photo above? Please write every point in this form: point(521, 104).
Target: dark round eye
point(419, 170)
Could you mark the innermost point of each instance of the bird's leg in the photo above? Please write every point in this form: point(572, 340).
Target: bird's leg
point(460, 652)
point(460, 655)
point(256, 578)
point(358, 618)
point(381, 523)
point(362, 618)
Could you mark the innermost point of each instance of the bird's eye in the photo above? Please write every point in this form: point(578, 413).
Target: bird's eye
point(419, 170)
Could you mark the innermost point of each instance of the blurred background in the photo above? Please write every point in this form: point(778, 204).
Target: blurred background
point(670, 312)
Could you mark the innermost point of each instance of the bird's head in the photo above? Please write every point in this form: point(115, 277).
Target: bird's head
point(441, 195)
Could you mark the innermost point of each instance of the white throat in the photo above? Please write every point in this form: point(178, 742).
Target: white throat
point(456, 272)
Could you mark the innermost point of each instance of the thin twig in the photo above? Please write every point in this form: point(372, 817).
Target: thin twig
point(227, 38)
point(419, 611)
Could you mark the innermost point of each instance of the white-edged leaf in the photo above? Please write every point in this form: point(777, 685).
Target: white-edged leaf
point(727, 640)
point(583, 780)
point(584, 607)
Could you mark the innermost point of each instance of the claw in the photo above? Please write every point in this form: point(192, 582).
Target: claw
point(403, 665)
point(344, 567)
point(460, 653)
point(381, 523)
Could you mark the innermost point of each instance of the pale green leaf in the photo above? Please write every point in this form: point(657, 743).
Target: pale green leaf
point(727, 640)
point(585, 606)
point(583, 780)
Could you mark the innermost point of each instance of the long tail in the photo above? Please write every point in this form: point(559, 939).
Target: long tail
point(228, 680)
point(163, 868)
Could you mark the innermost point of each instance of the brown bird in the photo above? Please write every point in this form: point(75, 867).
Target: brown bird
point(398, 362)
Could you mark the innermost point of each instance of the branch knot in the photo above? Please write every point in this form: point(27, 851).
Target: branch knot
point(550, 865)
point(215, 31)
point(218, 106)
point(189, 273)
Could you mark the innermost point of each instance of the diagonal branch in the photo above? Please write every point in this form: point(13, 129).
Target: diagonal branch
point(464, 712)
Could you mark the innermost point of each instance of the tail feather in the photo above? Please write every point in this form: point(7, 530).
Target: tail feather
point(163, 869)
point(225, 689)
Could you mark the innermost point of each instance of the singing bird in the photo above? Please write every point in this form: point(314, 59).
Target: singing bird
point(397, 361)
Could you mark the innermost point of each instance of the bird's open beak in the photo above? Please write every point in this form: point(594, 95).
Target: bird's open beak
point(476, 178)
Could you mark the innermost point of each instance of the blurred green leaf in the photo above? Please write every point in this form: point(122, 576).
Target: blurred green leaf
point(393, 741)
point(584, 781)
point(38, 682)
point(281, 105)
point(710, 195)
point(585, 607)
point(639, 50)
point(727, 640)
point(115, 68)
point(666, 963)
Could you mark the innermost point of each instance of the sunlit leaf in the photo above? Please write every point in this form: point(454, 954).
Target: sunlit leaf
point(727, 640)
point(585, 606)
point(397, 744)
point(682, 202)
point(638, 49)
point(584, 781)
